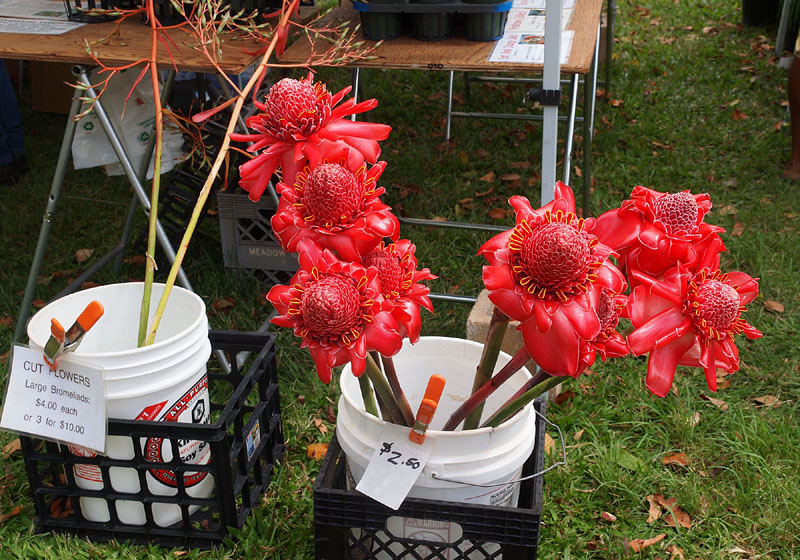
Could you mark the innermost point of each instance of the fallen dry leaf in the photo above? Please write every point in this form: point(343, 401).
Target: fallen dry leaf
point(510, 177)
point(774, 306)
point(679, 459)
point(82, 255)
point(316, 451)
point(610, 517)
point(549, 444)
point(497, 213)
point(13, 513)
point(738, 229)
point(676, 515)
point(180, 553)
point(6, 321)
point(675, 553)
point(695, 419)
point(488, 178)
point(723, 383)
point(738, 115)
point(331, 414)
point(767, 400)
point(485, 193)
point(320, 425)
point(615, 102)
point(224, 305)
point(61, 508)
point(662, 146)
point(39, 303)
point(654, 508)
point(638, 545)
point(564, 396)
point(520, 164)
point(11, 447)
point(725, 209)
point(136, 259)
point(579, 434)
point(4, 357)
point(722, 405)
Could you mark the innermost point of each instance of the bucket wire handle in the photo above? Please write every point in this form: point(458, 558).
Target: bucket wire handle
point(560, 463)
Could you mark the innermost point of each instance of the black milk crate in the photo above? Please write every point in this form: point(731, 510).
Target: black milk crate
point(246, 441)
point(247, 239)
point(348, 524)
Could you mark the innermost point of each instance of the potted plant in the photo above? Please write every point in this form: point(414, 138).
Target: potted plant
point(356, 299)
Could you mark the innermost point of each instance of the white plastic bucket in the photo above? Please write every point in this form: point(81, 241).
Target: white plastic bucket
point(164, 381)
point(489, 456)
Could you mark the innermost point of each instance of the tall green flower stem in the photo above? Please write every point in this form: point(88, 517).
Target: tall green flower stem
point(397, 390)
point(515, 403)
point(150, 263)
point(491, 350)
point(367, 396)
point(385, 414)
point(212, 174)
point(384, 391)
point(480, 396)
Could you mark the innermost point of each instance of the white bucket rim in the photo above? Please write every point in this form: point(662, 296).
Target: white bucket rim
point(437, 433)
point(201, 316)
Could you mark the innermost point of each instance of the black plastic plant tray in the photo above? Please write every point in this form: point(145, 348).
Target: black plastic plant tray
point(348, 524)
point(407, 7)
point(246, 440)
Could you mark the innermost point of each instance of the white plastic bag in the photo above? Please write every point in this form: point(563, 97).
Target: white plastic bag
point(90, 146)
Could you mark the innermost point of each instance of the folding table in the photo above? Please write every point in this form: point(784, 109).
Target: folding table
point(130, 44)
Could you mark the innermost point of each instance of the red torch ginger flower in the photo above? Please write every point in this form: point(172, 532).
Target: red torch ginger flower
point(300, 124)
point(548, 273)
point(338, 311)
point(654, 231)
point(689, 319)
point(397, 270)
point(336, 208)
point(608, 343)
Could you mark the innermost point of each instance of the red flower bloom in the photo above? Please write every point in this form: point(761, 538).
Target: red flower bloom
point(548, 273)
point(689, 319)
point(654, 231)
point(609, 343)
point(336, 208)
point(299, 125)
point(397, 270)
point(337, 309)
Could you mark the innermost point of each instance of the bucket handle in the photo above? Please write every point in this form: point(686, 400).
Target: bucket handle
point(560, 463)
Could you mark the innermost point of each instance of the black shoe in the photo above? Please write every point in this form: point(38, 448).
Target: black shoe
point(8, 174)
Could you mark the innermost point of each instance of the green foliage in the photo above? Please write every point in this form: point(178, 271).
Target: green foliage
point(700, 98)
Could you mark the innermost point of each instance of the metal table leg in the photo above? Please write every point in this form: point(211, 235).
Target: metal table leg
point(551, 80)
point(611, 14)
point(589, 92)
point(573, 103)
point(47, 219)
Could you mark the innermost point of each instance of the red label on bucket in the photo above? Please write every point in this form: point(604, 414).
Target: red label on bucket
point(86, 472)
point(192, 407)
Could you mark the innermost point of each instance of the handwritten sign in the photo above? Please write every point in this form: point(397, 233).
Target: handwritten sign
point(66, 404)
point(394, 467)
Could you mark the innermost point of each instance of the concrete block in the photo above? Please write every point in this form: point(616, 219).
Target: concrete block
point(478, 326)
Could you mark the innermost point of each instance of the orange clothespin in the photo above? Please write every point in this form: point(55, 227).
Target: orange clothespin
point(61, 341)
point(427, 408)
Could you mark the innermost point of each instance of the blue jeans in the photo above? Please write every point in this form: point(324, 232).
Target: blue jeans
point(12, 145)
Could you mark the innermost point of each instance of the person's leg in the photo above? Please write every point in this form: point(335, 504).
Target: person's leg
point(792, 170)
point(10, 117)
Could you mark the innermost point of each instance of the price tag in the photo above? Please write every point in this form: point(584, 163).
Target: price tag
point(66, 405)
point(394, 467)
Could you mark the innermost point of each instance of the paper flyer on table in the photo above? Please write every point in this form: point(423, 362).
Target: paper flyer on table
point(531, 20)
point(35, 9)
point(541, 4)
point(528, 48)
point(36, 26)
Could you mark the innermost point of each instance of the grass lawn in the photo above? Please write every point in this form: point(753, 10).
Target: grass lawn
point(697, 102)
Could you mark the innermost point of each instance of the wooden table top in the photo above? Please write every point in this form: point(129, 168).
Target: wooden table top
point(456, 53)
point(132, 44)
